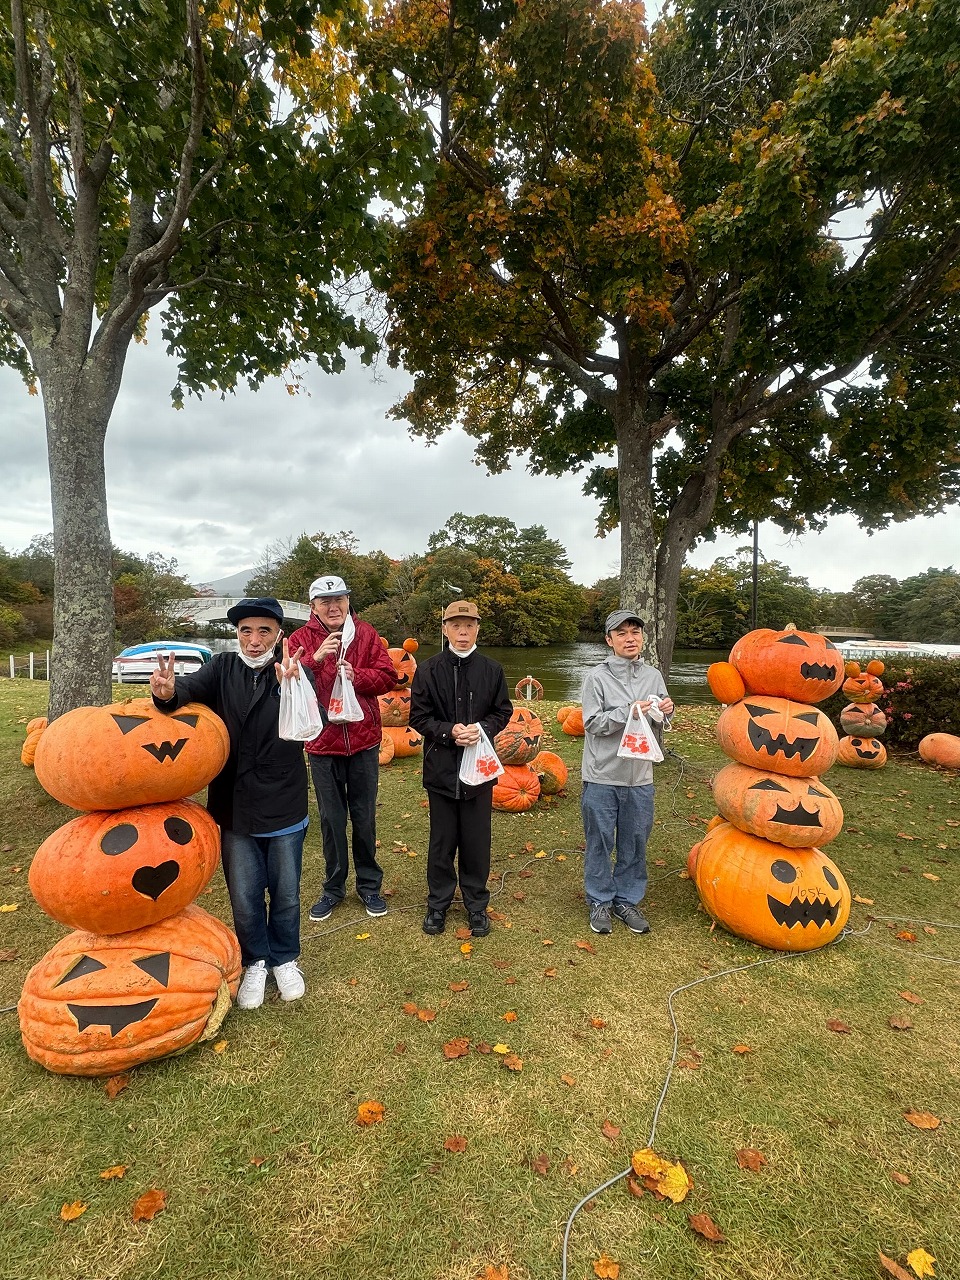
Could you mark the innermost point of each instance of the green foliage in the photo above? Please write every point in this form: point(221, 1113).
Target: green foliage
point(146, 591)
point(921, 696)
point(714, 604)
point(287, 569)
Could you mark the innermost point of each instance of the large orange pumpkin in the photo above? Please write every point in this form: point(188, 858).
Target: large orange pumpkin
point(109, 872)
point(797, 812)
point(942, 749)
point(406, 741)
point(519, 741)
point(863, 720)
point(862, 753)
point(97, 1004)
point(517, 789)
point(799, 665)
point(572, 722)
point(779, 735)
point(395, 707)
point(405, 665)
point(129, 753)
point(551, 771)
point(387, 748)
point(787, 899)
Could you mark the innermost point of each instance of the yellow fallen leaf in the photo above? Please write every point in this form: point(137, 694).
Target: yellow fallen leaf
point(115, 1171)
point(466, 947)
point(501, 1048)
point(14, 906)
point(220, 1046)
point(71, 1211)
point(661, 1176)
point(510, 1016)
point(864, 902)
point(928, 875)
point(369, 1112)
point(922, 1119)
point(561, 857)
point(921, 1262)
point(605, 1268)
point(361, 936)
point(541, 854)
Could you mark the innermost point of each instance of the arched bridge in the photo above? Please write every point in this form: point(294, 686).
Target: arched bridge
point(204, 609)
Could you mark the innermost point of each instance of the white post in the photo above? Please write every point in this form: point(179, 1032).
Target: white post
point(13, 667)
point(31, 664)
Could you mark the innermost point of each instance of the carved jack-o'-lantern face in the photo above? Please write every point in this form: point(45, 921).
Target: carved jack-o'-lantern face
point(863, 720)
point(405, 665)
point(778, 735)
point(865, 685)
point(797, 812)
point(800, 665)
point(97, 1004)
point(862, 753)
point(115, 871)
point(395, 707)
point(519, 741)
point(787, 899)
point(130, 753)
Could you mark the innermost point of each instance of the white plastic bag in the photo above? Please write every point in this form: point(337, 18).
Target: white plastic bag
point(638, 741)
point(344, 707)
point(300, 719)
point(480, 763)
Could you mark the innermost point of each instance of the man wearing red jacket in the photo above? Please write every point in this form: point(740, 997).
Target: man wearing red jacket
point(344, 760)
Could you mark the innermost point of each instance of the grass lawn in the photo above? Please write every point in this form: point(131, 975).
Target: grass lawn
point(268, 1175)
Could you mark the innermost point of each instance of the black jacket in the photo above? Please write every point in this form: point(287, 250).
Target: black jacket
point(263, 785)
point(449, 690)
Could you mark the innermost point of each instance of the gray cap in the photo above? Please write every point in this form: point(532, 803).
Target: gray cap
point(619, 617)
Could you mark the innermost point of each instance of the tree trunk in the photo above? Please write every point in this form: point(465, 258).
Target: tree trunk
point(78, 405)
point(638, 538)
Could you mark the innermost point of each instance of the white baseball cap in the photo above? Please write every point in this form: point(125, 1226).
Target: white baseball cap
point(328, 587)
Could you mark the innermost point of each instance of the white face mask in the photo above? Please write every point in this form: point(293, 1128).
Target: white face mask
point(261, 661)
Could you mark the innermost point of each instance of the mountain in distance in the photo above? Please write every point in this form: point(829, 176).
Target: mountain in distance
point(232, 585)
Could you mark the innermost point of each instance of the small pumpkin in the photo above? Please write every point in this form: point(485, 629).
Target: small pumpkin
point(395, 707)
point(411, 645)
point(519, 740)
point(800, 665)
point(405, 664)
point(862, 753)
point(863, 686)
point(130, 753)
point(787, 899)
point(776, 734)
point(942, 749)
point(572, 723)
point(551, 771)
point(725, 681)
point(97, 1004)
point(517, 789)
point(406, 741)
point(863, 720)
point(29, 749)
point(797, 812)
point(116, 870)
point(387, 748)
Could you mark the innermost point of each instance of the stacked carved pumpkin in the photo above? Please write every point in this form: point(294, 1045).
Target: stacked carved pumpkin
point(862, 720)
point(517, 745)
point(758, 870)
point(146, 973)
point(398, 739)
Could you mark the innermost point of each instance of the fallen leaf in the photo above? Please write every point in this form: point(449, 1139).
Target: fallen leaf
point(410, 1008)
point(524, 875)
point(930, 930)
point(501, 1048)
point(922, 1119)
point(741, 1048)
point(509, 1016)
point(220, 1046)
point(841, 1028)
point(609, 1130)
point(561, 857)
point(426, 1015)
point(569, 1166)
point(568, 1080)
point(500, 964)
point(549, 973)
point(458, 1048)
point(598, 1023)
point(462, 933)
point(369, 1112)
point(491, 1272)
point(400, 1048)
point(496, 915)
point(541, 854)
point(10, 953)
point(635, 1186)
point(921, 1262)
point(586, 946)
point(512, 1062)
point(540, 1164)
point(456, 1143)
point(928, 875)
point(662, 1177)
point(520, 896)
point(115, 1171)
point(459, 986)
point(900, 1179)
point(902, 835)
point(258, 1161)
point(705, 1226)
point(749, 1158)
point(70, 1212)
point(15, 906)
point(606, 1268)
point(116, 1084)
point(895, 1269)
point(899, 1022)
point(864, 902)
point(910, 997)
point(149, 1205)
point(466, 948)
point(361, 936)
point(906, 936)
point(546, 942)
point(482, 1047)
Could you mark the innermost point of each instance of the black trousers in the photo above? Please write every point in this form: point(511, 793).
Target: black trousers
point(459, 826)
point(346, 786)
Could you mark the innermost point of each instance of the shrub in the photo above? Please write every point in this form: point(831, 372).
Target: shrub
point(921, 696)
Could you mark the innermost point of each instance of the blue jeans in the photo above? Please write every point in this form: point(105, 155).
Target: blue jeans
point(621, 816)
point(255, 866)
point(346, 787)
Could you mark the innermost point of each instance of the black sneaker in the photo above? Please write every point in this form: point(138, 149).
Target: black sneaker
point(479, 923)
point(434, 921)
point(375, 904)
point(635, 920)
point(323, 909)
point(600, 917)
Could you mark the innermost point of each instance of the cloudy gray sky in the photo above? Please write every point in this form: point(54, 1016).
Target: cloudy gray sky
point(214, 483)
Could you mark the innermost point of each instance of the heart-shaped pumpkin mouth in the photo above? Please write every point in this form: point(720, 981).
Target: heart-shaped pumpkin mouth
point(151, 881)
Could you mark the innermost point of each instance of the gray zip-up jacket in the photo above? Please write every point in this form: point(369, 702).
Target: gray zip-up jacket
point(608, 693)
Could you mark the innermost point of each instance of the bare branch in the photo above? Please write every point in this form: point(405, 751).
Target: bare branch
point(591, 387)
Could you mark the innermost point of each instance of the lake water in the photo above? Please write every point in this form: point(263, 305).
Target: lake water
point(560, 668)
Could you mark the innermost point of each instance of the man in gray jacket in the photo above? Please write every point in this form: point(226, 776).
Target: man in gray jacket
point(617, 799)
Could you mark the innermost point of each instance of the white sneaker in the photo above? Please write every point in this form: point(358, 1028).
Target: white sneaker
point(289, 980)
point(250, 995)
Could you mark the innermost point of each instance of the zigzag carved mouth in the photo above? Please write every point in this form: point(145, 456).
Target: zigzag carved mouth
point(114, 1016)
point(763, 739)
point(798, 817)
point(817, 671)
point(803, 911)
point(165, 750)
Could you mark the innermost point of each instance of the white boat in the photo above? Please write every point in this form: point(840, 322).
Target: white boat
point(137, 663)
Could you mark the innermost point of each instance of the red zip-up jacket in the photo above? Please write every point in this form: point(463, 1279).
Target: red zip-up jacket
point(373, 674)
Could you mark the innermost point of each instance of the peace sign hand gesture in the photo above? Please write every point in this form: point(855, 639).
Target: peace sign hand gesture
point(289, 667)
point(162, 680)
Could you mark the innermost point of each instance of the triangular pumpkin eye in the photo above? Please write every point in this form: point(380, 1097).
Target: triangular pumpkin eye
point(812, 791)
point(85, 965)
point(793, 640)
point(767, 784)
point(126, 724)
point(157, 967)
point(188, 719)
point(756, 711)
point(809, 717)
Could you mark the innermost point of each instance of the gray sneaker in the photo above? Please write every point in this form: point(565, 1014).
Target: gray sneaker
point(600, 917)
point(635, 920)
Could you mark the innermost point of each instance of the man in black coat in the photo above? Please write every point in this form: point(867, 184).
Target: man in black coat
point(454, 694)
point(259, 798)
